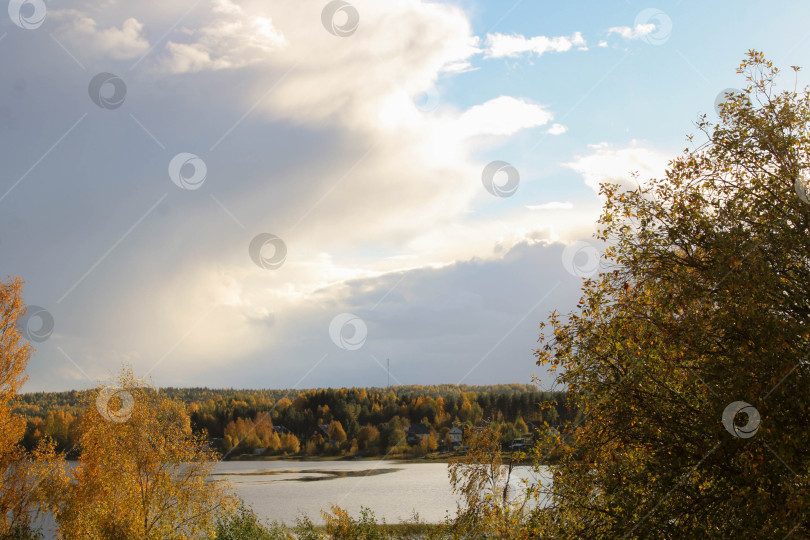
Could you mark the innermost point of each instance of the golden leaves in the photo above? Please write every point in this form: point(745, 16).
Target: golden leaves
point(145, 477)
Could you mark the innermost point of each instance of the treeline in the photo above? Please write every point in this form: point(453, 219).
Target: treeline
point(348, 421)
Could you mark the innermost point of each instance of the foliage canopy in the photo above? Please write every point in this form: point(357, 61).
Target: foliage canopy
point(705, 304)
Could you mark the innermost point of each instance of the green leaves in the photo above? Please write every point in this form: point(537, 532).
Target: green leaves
point(709, 306)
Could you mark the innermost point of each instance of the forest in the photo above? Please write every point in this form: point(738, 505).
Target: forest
point(321, 422)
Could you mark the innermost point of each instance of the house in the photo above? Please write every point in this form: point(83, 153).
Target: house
point(456, 434)
point(535, 429)
point(258, 451)
point(518, 444)
point(416, 433)
point(280, 429)
point(323, 431)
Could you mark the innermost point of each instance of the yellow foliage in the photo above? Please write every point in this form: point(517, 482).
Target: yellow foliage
point(142, 473)
point(22, 474)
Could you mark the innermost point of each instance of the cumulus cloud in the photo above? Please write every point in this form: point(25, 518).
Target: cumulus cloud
point(82, 33)
point(556, 129)
point(233, 39)
point(513, 45)
point(306, 135)
point(636, 32)
point(608, 163)
point(503, 115)
point(443, 320)
point(320, 78)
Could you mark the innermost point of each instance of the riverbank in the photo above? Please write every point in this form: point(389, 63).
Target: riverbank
point(444, 458)
point(437, 457)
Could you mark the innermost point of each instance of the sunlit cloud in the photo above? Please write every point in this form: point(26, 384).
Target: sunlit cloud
point(608, 163)
point(513, 45)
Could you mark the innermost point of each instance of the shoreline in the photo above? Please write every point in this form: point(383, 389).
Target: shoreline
point(442, 458)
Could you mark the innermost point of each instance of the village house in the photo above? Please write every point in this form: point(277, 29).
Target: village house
point(323, 431)
point(456, 434)
point(536, 429)
point(416, 433)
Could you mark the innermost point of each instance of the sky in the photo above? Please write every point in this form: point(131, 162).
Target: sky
point(289, 193)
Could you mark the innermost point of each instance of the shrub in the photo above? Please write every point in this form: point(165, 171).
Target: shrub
point(244, 524)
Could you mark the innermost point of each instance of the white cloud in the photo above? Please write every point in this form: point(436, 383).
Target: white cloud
point(603, 43)
point(332, 155)
point(345, 81)
point(512, 45)
point(233, 39)
point(356, 90)
point(556, 129)
point(80, 32)
point(636, 32)
point(555, 205)
point(616, 165)
point(503, 115)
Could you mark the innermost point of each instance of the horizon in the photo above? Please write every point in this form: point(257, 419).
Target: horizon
point(303, 389)
point(235, 191)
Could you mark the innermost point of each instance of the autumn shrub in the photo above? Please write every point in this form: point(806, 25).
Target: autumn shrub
point(244, 524)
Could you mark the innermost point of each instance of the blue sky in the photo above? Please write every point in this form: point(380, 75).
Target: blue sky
point(361, 149)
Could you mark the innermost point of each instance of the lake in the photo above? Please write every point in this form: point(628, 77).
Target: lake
point(393, 490)
point(282, 490)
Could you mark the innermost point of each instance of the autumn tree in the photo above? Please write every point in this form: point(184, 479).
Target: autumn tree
point(142, 473)
point(396, 437)
point(367, 437)
point(336, 432)
point(289, 444)
point(482, 477)
point(21, 473)
point(248, 435)
point(688, 355)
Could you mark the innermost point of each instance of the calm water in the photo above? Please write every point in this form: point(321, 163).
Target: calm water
point(393, 490)
point(281, 491)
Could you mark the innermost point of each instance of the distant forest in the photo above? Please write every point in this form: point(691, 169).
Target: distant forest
point(399, 421)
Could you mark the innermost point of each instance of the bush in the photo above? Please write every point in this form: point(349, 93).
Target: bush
point(305, 529)
point(23, 532)
point(244, 524)
point(341, 526)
